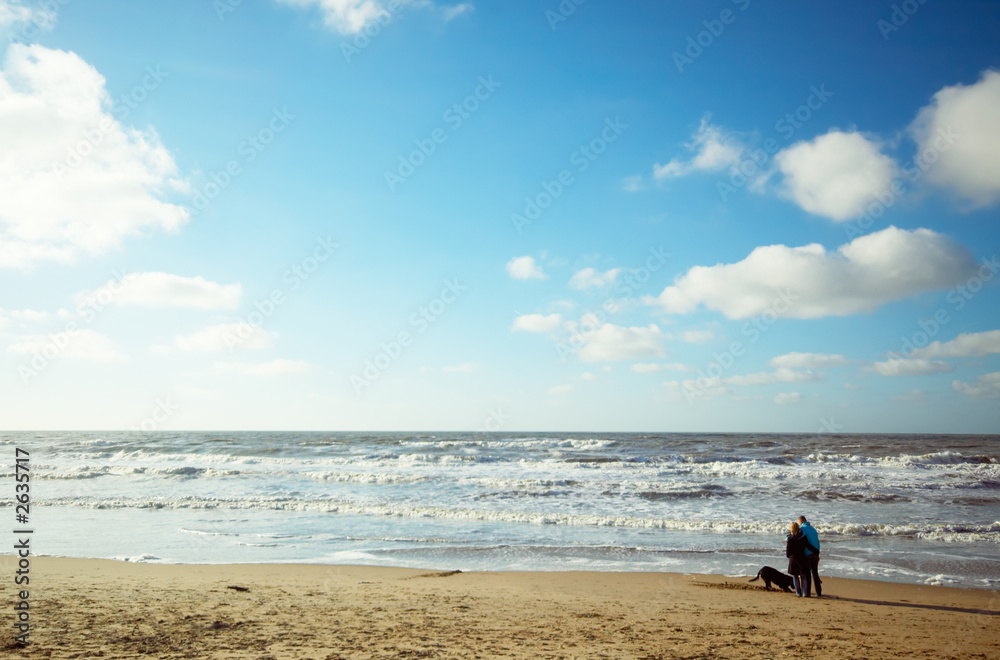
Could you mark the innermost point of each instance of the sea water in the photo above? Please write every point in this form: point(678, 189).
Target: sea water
point(907, 508)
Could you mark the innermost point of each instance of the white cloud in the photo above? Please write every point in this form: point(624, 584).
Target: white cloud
point(807, 282)
point(464, 368)
point(587, 376)
point(808, 360)
point(524, 268)
point(351, 16)
point(29, 315)
point(836, 174)
point(966, 117)
point(23, 316)
point(613, 343)
point(28, 17)
point(455, 11)
point(55, 112)
point(654, 367)
point(13, 13)
point(589, 277)
point(536, 323)
point(166, 290)
point(632, 183)
point(85, 344)
point(561, 389)
point(967, 344)
point(786, 398)
point(345, 16)
point(909, 367)
point(714, 151)
point(913, 396)
point(695, 336)
point(780, 375)
point(697, 388)
point(986, 386)
point(272, 368)
point(225, 337)
point(715, 386)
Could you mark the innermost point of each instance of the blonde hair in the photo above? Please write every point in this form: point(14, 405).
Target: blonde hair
point(795, 528)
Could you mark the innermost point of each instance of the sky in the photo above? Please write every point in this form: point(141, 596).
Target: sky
point(504, 216)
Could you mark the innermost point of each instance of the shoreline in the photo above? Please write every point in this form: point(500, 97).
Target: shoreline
point(118, 609)
point(304, 564)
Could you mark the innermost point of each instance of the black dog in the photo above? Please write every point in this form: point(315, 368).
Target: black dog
point(769, 575)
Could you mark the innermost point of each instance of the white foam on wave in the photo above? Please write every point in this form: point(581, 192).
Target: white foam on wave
point(903, 470)
point(550, 443)
point(890, 472)
point(365, 477)
point(938, 532)
point(942, 458)
point(408, 539)
point(204, 533)
point(93, 472)
point(146, 557)
point(586, 443)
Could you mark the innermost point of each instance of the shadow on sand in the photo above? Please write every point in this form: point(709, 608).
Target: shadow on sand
point(921, 606)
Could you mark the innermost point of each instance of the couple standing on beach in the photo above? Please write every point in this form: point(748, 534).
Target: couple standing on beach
point(802, 550)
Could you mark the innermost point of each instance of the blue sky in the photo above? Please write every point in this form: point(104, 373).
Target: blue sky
point(363, 214)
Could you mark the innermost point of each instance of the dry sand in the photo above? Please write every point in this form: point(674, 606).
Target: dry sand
point(96, 608)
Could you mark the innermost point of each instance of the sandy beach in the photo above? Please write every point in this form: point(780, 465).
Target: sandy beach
point(82, 608)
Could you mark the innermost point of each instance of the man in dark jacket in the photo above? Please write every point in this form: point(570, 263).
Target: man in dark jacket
point(812, 558)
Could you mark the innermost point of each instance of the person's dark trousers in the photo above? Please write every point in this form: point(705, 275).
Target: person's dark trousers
point(813, 561)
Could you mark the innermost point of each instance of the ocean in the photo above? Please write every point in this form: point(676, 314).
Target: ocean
point(920, 509)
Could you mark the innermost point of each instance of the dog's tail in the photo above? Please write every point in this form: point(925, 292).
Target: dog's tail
point(754, 579)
